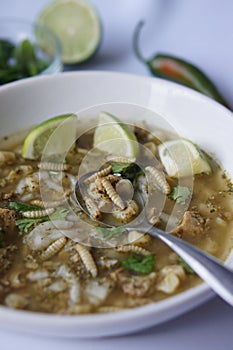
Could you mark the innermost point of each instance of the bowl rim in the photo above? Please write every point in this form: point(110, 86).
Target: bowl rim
point(67, 74)
point(198, 294)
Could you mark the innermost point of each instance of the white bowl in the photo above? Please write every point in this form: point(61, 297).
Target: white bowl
point(193, 115)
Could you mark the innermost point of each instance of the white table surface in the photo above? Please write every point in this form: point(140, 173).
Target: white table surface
point(197, 30)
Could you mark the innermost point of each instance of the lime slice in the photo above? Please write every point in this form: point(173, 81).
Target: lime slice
point(77, 25)
point(114, 137)
point(55, 136)
point(183, 158)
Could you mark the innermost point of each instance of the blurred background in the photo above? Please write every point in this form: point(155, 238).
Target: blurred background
point(196, 30)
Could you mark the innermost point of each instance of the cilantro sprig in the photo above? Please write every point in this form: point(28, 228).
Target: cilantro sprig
point(128, 171)
point(22, 206)
point(26, 224)
point(59, 214)
point(142, 265)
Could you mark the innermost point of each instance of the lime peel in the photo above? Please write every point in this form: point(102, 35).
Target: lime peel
point(59, 130)
point(115, 137)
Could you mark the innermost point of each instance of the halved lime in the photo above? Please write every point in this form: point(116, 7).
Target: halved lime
point(114, 137)
point(183, 158)
point(77, 25)
point(57, 134)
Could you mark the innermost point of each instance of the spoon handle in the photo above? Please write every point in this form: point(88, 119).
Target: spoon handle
point(217, 276)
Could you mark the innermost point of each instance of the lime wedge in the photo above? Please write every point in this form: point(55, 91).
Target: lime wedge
point(77, 25)
point(56, 135)
point(114, 137)
point(183, 158)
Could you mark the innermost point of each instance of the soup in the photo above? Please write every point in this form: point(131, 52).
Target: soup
point(54, 258)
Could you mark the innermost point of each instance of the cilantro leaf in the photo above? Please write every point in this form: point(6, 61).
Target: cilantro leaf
point(185, 266)
point(129, 171)
point(23, 206)
point(110, 232)
point(180, 194)
point(138, 264)
point(59, 214)
point(26, 224)
point(119, 168)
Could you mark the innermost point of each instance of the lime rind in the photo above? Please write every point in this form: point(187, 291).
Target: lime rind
point(36, 140)
point(77, 24)
point(203, 160)
point(115, 137)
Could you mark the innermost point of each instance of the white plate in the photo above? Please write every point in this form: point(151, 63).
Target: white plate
point(193, 115)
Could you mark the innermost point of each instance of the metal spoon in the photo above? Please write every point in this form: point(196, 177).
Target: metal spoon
point(215, 274)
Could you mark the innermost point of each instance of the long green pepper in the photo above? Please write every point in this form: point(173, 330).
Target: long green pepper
point(178, 70)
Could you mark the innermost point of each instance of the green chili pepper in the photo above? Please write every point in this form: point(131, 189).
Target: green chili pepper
point(176, 69)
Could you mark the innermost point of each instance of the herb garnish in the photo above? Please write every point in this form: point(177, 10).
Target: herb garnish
point(26, 224)
point(185, 266)
point(129, 171)
point(59, 214)
point(180, 194)
point(143, 265)
point(23, 206)
point(110, 232)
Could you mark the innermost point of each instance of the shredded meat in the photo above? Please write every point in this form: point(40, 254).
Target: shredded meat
point(135, 286)
point(192, 224)
point(7, 220)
